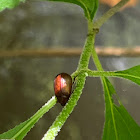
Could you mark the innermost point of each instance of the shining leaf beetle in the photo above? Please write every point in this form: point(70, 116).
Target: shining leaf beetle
point(63, 87)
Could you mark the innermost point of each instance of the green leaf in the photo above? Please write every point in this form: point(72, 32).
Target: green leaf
point(119, 125)
point(20, 131)
point(9, 4)
point(11, 134)
point(89, 6)
point(132, 74)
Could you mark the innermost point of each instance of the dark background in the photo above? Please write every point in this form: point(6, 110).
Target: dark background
point(27, 83)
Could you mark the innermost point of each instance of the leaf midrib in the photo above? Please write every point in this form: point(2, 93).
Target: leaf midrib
point(124, 74)
point(85, 7)
point(114, 123)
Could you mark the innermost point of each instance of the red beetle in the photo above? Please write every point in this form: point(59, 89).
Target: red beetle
point(63, 87)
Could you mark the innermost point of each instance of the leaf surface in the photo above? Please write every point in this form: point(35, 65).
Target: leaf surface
point(132, 74)
point(119, 125)
point(9, 4)
point(89, 6)
point(21, 130)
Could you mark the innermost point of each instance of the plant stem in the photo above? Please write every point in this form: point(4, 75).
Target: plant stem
point(86, 53)
point(68, 108)
point(83, 64)
point(97, 24)
point(96, 60)
point(92, 73)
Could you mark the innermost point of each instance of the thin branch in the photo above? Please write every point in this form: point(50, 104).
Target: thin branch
point(70, 52)
point(97, 24)
point(67, 110)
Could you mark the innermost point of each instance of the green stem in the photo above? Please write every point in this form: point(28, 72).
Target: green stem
point(92, 73)
point(86, 53)
point(96, 60)
point(104, 83)
point(65, 113)
point(83, 64)
point(97, 24)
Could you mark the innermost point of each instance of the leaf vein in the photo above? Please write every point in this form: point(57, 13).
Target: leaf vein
point(111, 104)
